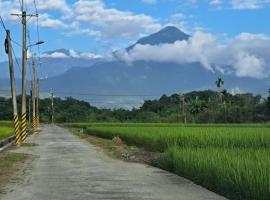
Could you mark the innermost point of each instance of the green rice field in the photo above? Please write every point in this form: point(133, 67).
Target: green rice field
point(232, 160)
point(6, 129)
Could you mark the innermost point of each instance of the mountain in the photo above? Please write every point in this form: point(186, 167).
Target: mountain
point(115, 83)
point(54, 63)
point(168, 35)
point(142, 78)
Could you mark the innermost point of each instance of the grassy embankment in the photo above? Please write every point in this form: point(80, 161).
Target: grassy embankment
point(233, 160)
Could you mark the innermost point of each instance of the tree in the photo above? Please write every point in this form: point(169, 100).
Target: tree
point(268, 104)
point(219, 84)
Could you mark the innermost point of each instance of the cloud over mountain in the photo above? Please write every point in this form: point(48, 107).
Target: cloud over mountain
point(244, 55)
point(63, 53)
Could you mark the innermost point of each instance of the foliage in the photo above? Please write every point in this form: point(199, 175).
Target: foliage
point(198, 107)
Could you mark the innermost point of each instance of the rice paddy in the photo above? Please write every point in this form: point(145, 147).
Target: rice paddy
point(233, 160)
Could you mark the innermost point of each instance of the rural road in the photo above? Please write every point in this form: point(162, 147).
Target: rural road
point(69, 168)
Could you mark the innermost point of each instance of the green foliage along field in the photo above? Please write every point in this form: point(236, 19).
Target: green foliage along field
point(233, 160)
point(6, 129)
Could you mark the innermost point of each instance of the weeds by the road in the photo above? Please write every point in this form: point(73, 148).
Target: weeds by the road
point(120, 150)
point(29, 144)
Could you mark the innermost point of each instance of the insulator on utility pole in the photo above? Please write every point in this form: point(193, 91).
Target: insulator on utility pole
point(8, 49)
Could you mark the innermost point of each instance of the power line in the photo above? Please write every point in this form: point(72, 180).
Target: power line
point(17, 43)
point(21, 5)
point(38, 39)
point(16, 59)
point(3, 24)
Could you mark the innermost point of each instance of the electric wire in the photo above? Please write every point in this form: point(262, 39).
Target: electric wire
point(16, 59)
point(17, 43)
point(21, 5)
point(39, 68)
point(3, 24)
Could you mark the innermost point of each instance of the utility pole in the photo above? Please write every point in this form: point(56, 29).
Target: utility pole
point(37, 107)
point(8, 49)
point(180, 107)
point(29, 108)
point(34, 95)
point(184, 109)
point(24, 16)
point(24, 63)
point(52, 106)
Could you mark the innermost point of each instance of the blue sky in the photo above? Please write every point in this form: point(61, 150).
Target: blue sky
point(228, 36)
point(101, 26)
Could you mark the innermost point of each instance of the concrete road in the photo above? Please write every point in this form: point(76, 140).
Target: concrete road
point(69, 168)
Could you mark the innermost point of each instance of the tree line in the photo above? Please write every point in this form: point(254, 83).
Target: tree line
point(194, 107)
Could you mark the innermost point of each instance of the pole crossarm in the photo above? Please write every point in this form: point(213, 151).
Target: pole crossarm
point(27, 15)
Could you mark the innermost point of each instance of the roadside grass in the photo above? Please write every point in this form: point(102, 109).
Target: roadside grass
point(6, 124)
point(6, 132)
point(29, 144)
point(6, 129)
point(232, 160)
point(119, 151)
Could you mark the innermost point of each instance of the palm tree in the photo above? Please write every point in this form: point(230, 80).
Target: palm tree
point(219, 84)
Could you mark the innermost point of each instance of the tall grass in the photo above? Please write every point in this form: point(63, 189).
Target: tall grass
point(233, 160)
point(235, 173)
point(161, 138)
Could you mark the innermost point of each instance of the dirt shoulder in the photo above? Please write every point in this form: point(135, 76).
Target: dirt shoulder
point(116, 148)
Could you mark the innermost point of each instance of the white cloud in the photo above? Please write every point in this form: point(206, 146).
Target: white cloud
point(248, 4)
point(59, 5)
point(215, 2)
point(47, 22)
point(250, 65)
point(71, 54)
point(234, 4)
point(54, 55)
point(113, 22)
point(245, 55)
point(152, 2)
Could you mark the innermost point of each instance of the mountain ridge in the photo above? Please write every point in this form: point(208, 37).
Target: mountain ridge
point(169, 34)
